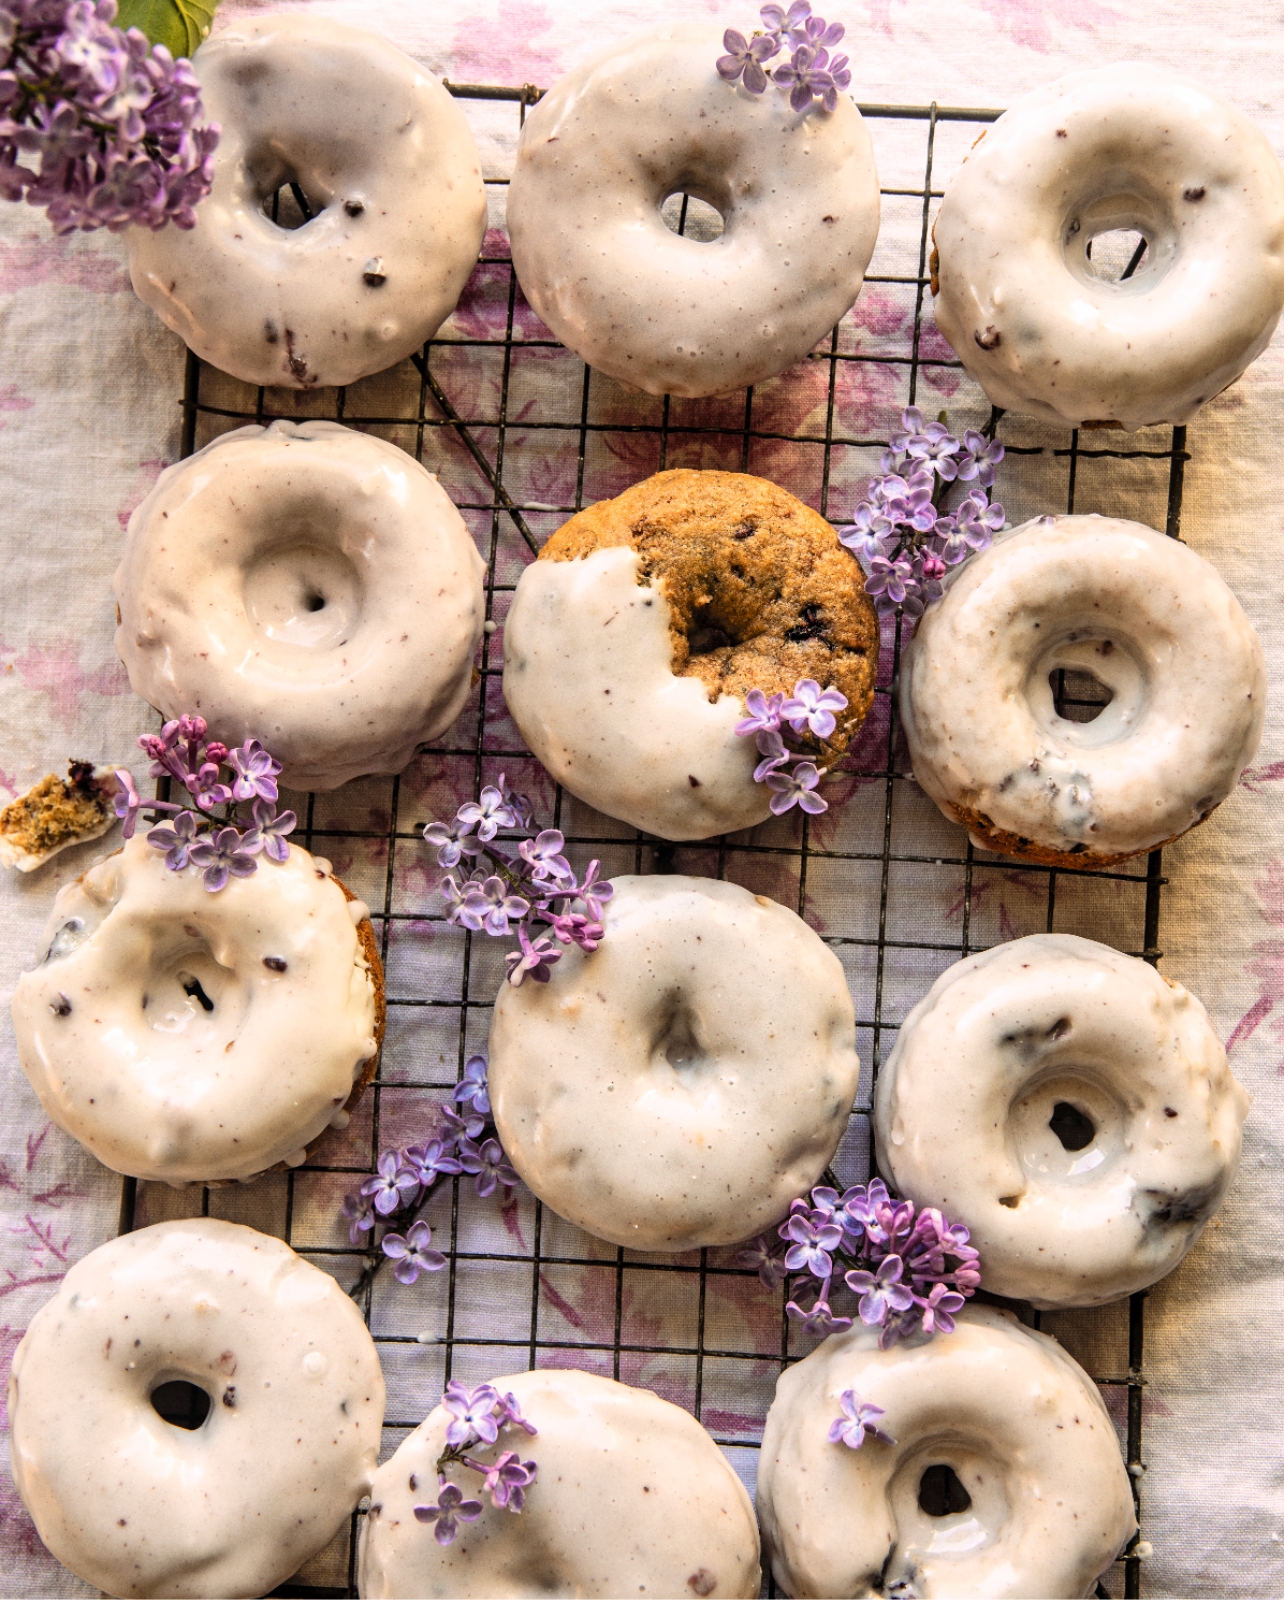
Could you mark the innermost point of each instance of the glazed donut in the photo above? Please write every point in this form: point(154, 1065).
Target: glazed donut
point(384, 155)
point(308, 586)
point(604, 149)
point(631, 1497)
point(634, 639)
point(1072, 1106)
point(1130, 147)
point(188, 1036)
point(289, 1381)
point(1146, 617)
point(1038, 1503)
point(683, 1083)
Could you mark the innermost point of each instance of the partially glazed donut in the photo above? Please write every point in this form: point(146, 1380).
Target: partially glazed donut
point(1132, 147)
point(382, 153)
point(308, 586)
point(136, 1504)
point(688, 1079)
point(632, 1497)
point(636, 636)
point(1072, 1106)
point(637, 122)
point(1018, 1423)
point(188, 1036)
point(1151, 621)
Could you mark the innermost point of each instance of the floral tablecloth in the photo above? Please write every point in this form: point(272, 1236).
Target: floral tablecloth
point(89, 382)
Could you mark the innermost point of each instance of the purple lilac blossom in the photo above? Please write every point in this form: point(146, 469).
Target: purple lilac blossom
point(744, 59)
point(808, 75)
point(819, 1321)
point(176, 840)
point(428, 1162)
point(472, 1411)
point(450, 1510)
point(881, 1292)
point(256, 772)
point(796, 788)
point(128, 802)
point(811, 1245)
point(508, 1479)
point(856, 1422)
point(811, 708)
point(273, 827)
point(766, 1259)
point(111, 118)
point(390, 1184)
point(510, 1413)
point(901, 534)
point(492, 1169)
point(532, 960)
point(358, 1210)
point(227, 852)
point(411, 1252)
point(473, 1089)
point(764, 714)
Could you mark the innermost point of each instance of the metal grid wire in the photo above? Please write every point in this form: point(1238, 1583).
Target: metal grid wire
point(1121, 906)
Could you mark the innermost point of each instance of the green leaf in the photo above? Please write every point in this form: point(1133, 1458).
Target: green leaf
point(180, 25)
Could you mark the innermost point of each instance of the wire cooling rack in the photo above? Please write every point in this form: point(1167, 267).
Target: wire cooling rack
point(898, 893)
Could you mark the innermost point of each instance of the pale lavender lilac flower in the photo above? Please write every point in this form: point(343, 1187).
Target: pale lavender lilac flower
point(811, 708)
point(902, 534)
point(744, 59)
point(819, 1320)
point(226, 852)
point(473, 1414)
point(857, 1422)
point(473, 1089)
point(256, 772)
point(390, 1184)
point(796, 788)
point(809, 74)
point(411, 1252)
point(111, 119)
point(508, 1480)
point(273, 828)
point(176, 840)
point(533, 961)
point(358, 1210)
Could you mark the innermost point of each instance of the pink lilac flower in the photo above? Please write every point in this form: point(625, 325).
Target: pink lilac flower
point(533, 961)
point(857, 1422)
point(226, 852)
point(128, 802)
point(510, 1414)
point(205, 786)
point(450, 1510)
point(796, 788)
point(411, 1253)
point(938, 1308)
point(507, 1481)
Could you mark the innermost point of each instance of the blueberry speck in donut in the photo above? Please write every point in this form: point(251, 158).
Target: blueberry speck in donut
point(1193, 194)
point(373, 272)
point(354, 208)
point(61, 1007)
point(274, 963)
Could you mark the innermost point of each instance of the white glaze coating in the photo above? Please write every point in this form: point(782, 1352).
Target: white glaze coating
point(129, 1062)
point(632, 1498)
point(139, 1506)
point(1020, 1423)
point(964, 1106)
point(1148, 618)
point(226, 560)
point(1129, 146)
point(588, 677)
point(637, 122)
point(361, 128)
point(684, 1082)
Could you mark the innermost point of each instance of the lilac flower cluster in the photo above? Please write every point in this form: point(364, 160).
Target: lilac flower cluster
point(809, 74)
point(856, 1422)
point(900, 531)
point(403, 1179)
point(912, 1271)
point(214, 777)
point(507, 888)
point(791, 775)
point(477, 1417)
point(112, 118)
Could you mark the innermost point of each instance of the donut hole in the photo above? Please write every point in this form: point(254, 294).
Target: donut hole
point(948, 1497)
point(1078, 696)
point(1115, 255)
point(290, 207)
point(1067, 1126)
point(677, 1040)
point(1087, 685)
point(180, 1403)
point(305, 593)
point(940, 1493)
point(691, 217)
point(186, 992)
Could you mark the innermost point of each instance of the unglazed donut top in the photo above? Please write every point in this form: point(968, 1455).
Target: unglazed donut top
point(1148, 618)
point(379, 146)
point(139, 1506)
point(637, 122)
point(632, 1497)
point(1129, 146)
point(986, 1065)
point(1019, 1422)
point(124, 1055)
point(745, 588)
point(683, 1083)
point(308, 586)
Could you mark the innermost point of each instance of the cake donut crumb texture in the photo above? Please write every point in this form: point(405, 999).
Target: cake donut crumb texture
point(192, 1037)
point(141, 1506)
point(633, 1497)
point(56, 813)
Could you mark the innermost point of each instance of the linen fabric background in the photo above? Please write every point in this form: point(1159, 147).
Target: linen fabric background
point(89, 381)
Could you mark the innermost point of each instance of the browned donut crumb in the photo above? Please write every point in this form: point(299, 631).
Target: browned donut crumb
point(57, 811)
point(760, 591)
point(1004, 843)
